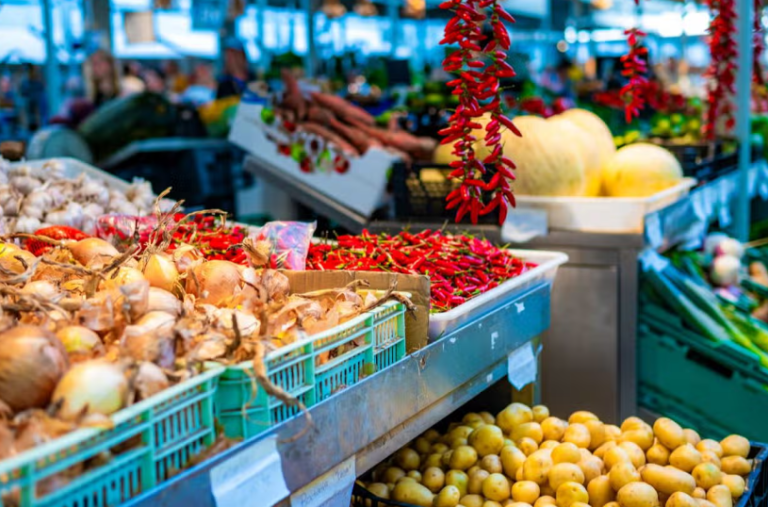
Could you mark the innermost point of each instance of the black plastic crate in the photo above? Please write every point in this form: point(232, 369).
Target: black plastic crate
point(706, 161)
point(416, 196)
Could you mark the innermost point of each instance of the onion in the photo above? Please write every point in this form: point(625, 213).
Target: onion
point(185, 257)
point(80, 340)
point(163, 301)
point(41, 288)
point(214, 282)
point(32, 361)
point(156, 321)
point(91, 387)
point(9, 259)
point(88, 250)
point(725, 270)
point(161, 272)
point(149, 380)
point(124, 276)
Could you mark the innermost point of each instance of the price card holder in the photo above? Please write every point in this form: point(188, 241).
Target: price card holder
point(331, 488)
point(254, 473)
point(522, 366)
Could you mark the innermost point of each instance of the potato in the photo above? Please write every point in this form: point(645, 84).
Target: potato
point(600, 491)
point(636, 455)
point(487, 417)
point(449, 496)
point(612, 433)
point(545, 500)
point(546, 490)
point(707, 475)
point(492, 464)
point(720, 495)
point(711, 457)
point(415, 474)
point(439, 448)
point(579, 504)
point(637, 494)
point(735, 483)
point(691, 436)
point(531, 430)
point(462, 457)
point(710, 445)
point(471, 417)
point(471, 501)
point(458, 442)
point(642, 436)
point(549, 444)
point(569, 493)
point(433, 479)
point(658, 454)
point(457, 478)
point(475, 484)
point(459, 432)
point(699, 494)
point(622, 474)
point(596, 433)
point(553, 428)
point(592, 468)
point(536, 467)
point(578, 434)
point(685, 458)
point(487, 439)
point(422, 446)
point(519, 474)
point(379, 489)
point(631, 423)
point(540, 412)
point(581, 417)
point(668, 480)
point(526, 491)
point(513, 415)
point(512, 459)
point(669, 433)
point(735, 465)
point(680, 499)
point(614, 456)
point(611, 504)
point(445, 461)
point(565, 472)
point(496, 487)
point(413, 493)
point(491, 503)
point(527, 445)
point(735, 445)
point(433, 460)
point(431, 435)
point(585, 454)
point(392, 474)
point(567, 452)
point(600, 451)
point(406, 479)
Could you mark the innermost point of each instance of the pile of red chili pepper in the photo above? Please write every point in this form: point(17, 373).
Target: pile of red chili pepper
point(459, 267)
point(212, 236)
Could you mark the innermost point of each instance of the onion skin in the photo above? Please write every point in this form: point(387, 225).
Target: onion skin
point(9, 259)
point(161, 272)
point(149, 380)
point(32, 361)
point(91, 387)
point(124, 276)
point(88, 250)
point(163, 301)
point(80, 340)
point(214, 282)
point(41, 288)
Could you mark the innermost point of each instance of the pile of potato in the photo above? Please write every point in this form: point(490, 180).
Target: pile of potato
point(523, 457)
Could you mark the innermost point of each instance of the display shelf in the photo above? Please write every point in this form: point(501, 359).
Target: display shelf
point(369, 421)
point(164, 144)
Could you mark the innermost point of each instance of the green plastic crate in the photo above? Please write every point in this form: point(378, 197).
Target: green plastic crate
point(379, 336)
point(148, 443)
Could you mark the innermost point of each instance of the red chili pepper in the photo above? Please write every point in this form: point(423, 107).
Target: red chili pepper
point(57, 232)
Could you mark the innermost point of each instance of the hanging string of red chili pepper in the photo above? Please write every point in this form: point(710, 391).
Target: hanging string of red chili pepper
point(634, 68)
point(480, 66)
point(722, 68)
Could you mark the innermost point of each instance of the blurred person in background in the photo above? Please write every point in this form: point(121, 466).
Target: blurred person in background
point(236, 73)
point(176, 81)
point(202, 88)
point(131, 81)
point(102, 78)
point(155, 80)
point(32, 92)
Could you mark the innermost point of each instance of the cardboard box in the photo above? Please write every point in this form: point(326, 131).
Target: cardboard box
point(416, 323)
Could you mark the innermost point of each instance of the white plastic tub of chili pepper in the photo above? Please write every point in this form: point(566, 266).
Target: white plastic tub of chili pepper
point(546, 268)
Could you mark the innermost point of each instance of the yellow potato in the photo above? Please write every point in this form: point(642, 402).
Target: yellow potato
point(536, 467)
point(439, 448)
point(669, 433)
point(510, 503)
point(491, 503)
point(459, 432)
point(472, 501)
point(496, 487)
point(703, 502)
point(680, 499)
point(415, 474)
point(612, 433)
point(406, 479)
point(658, 454)
point(565, 472)
point(569, 493)
point(592, 467)
point(735, 445)
point(637, 494)
point(668, 480)
point(691, 436)
point(631, 423)
point(445, 461)
point(585, 454)
point(392, 474)
point(600, 451)
point(596, 433)
point(545, 500)
point(636, 455)
point(567, 452)
point(720, 495)
point(622, 474)
point(600, 491)
point(527, 445)
point(642, 436)
point(707, 475)
point(487, 417)
point(699, 494)
point(531, 430)
point(449, 496)
point(492, 464)
point(614, 456)
point(512, 459)
point(525, 491)
point(612, 504)
point(513, 415)
point(413, 493)
point(463, 457)
point(379, 489)
point(471, 470)
point(475, 485)
point(553, 428)
point(519, 474)
point(472, 417)
point(711, 457)
point(458, 442)
point(549, 444)
point(431, 435)
point(578, 434)
point(710, 445)
point(547, 491)
point(579, 504)
point(735, 465)
point(457, 478)
point(735, 484)
point(422, 445)
point(487, 439)
point(581, 417)
point(540, 412)
point(433, 460)
point(685, 457)
point(433, 479)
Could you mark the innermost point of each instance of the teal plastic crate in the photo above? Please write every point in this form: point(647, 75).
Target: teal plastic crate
point(306, 371)
point(101, 468)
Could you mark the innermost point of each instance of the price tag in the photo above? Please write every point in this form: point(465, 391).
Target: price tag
point(256, 472)
point(335, 483)
point(522, 366)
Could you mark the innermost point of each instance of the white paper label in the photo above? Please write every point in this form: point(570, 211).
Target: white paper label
point(522, 366)
point(339, 479)
point(254, 472)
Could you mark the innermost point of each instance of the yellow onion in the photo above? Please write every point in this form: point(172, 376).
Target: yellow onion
point(124, 276)
point(9, 259)
point(161, 272)
point(149, 380)
point(41, 288)
point(214, 282)
point(156, 321)
point(163, 301)
point(186, 256)
point(91, 387)
point(80, 340)
point(32, 361)
point(90, 250)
